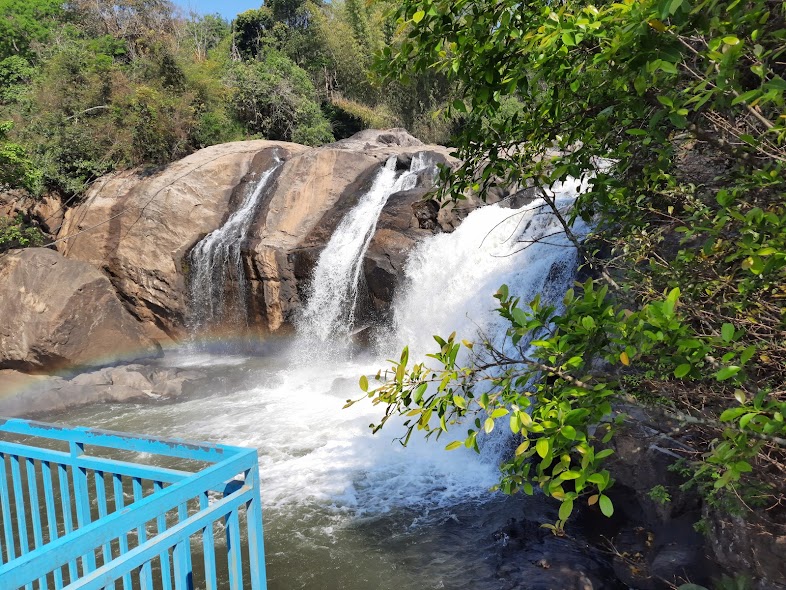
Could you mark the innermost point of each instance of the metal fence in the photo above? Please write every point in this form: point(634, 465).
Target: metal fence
point(88, 509)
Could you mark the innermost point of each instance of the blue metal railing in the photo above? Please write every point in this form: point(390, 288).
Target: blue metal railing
point(148, 536)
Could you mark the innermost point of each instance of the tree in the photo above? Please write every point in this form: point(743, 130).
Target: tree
point(251, 29)
point(274, 97)
point(685, 304)
point(16, 168)
point(26, 22)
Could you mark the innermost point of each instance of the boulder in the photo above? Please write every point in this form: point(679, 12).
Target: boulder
point(60, 313)
point(30, 395)
point(313, 193)
point(46, 212)
point(138, 226)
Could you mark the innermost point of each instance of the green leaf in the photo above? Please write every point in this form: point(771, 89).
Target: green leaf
point(499, 413)
point(606, 506)
point(727, 372)
point(731, 40)
point(364, 383)
point(489, 425)
point(588, 322)
point(454, 445)
point(568, 432)
point(727, 332)
point(459, 105)
point(682, 370)
point(542, 447)
point(731, 414)
point(565, 509)
point(747, 354)
point(418, 16)
point(522, 448)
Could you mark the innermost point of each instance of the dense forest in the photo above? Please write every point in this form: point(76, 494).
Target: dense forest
point(89, 86)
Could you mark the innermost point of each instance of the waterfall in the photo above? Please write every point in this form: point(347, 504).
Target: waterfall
point(218, 285)
point(329, 313)
point(450, 279)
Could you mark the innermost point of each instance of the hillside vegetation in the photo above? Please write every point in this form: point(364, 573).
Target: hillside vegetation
point(91, 86)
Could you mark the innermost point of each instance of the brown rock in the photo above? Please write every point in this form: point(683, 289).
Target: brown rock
point(59, 313)
point(313, 193)
point(137, 227)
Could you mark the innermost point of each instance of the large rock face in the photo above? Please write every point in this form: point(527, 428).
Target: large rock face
point(58, 313)
point(314, 192)
point(138, 227)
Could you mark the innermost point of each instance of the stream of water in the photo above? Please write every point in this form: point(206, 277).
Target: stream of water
point(345, 509)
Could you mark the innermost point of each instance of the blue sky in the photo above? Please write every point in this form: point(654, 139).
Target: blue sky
point(226, 8)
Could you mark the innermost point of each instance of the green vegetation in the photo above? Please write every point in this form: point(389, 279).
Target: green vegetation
point(685, 103)
point(93, 86)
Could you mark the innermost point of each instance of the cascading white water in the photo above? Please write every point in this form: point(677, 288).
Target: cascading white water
point(451, 278)
point(330, 306)
point(216, 260)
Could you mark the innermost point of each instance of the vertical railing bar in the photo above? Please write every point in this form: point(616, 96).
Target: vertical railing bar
point(234, 557)
point(82, 499)
point(21, 516)
point(21, 519)
point(117, 485)
point(166, 580)
point(35, 512)
point(51, 515)
point(5, 500)
point(68, 519)
point(182, 515)
point(181, 557)
point(102, 509)
point(146, 574)
point(256, 543)
point(208, 546)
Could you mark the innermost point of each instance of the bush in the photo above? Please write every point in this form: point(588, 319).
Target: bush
point(275, 98)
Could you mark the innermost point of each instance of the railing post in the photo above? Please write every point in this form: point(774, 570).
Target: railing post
point(234, 557)
point(256, 543)
point(5, 500)
point(82, 499)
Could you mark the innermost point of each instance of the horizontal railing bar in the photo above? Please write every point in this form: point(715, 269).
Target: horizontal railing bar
point(132, 469)
point(135, 558)
point(96, 463)
point(87, 538)
point(30, 452)
point(172, 447)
